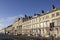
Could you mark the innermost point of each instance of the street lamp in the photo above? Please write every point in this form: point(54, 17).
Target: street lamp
point(51, 29)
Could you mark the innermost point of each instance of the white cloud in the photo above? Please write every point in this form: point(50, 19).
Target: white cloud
point(7, 21)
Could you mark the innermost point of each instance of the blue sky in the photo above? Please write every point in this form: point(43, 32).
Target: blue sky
point(11, 9)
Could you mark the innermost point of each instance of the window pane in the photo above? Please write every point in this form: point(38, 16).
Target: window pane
point(41, 24)
point(53, 15)
point(41, 31)
point(55, 22)
point(47, 17)
point(43, 18)
point(37, 25)
point(58, 22)
point(44, 24)
point(48, 24)
point(57, 14)
point(44, 30)
point(37, 19)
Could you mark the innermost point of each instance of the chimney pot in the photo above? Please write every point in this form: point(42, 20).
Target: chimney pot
point(35, 14)
point(25, 15)
point(42, 11)
point(53, 7)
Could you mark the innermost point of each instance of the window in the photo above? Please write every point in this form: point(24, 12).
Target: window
point(43, 18)
point(17, 27)
point(44, 30)
point(55, 22)
point(37, 25)
point(38, 31)
point(34, 20)
point(33, 26)
point(33, 30)
point(57, 14)
point(40, 19)
point(41, 24)
point(41, 31)
point(47, 17)
point(44, 24)
point(53, 15)
point(48, 24)
point(58, 22)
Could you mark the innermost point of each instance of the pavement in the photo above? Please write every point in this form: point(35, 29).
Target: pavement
point(21, 37)
point(5, 37)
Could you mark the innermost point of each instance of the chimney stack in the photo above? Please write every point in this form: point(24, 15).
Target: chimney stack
point(18, 19)
point(25, 15)
point(30, 17)
point(42, 11)
point(35, 14)
point(53, 7)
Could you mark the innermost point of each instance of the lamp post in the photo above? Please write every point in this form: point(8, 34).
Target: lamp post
point(51, 29)
point(5, 31)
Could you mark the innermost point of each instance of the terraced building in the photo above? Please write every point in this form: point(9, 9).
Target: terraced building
point(43, 24)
